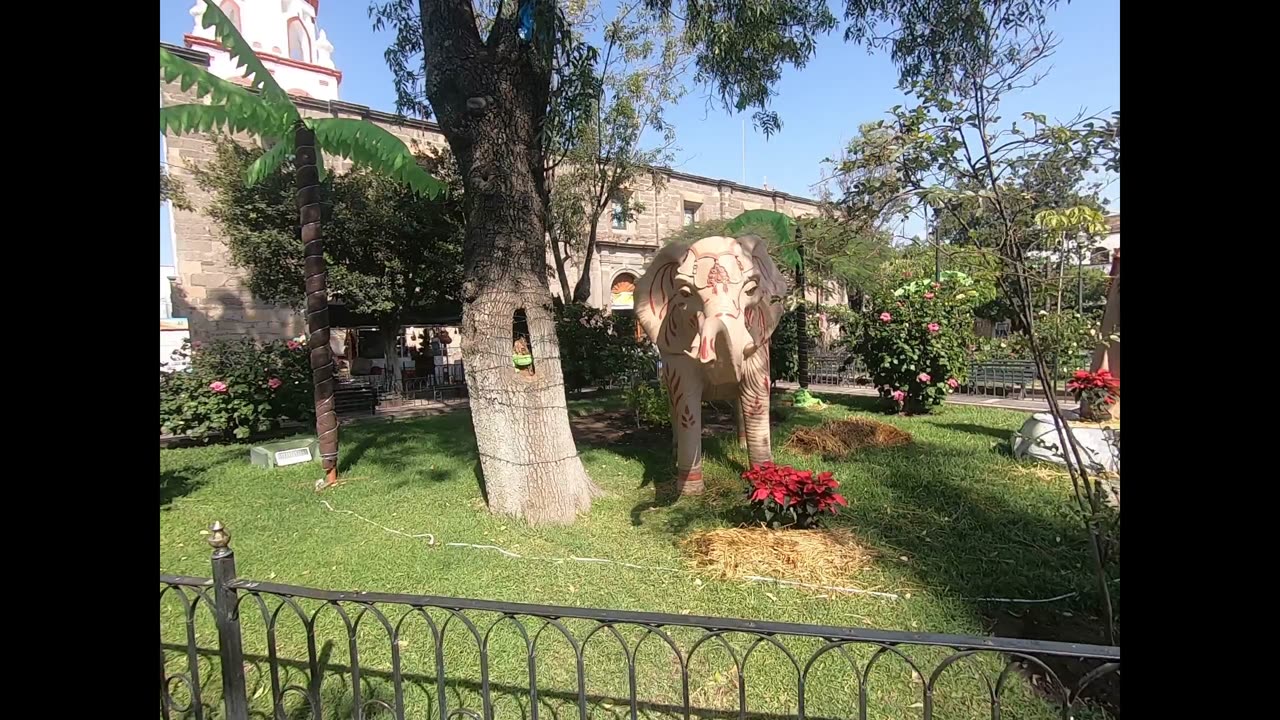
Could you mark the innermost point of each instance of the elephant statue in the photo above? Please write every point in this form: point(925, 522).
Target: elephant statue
point(710, 306)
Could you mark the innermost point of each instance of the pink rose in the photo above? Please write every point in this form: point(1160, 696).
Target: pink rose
point(934, 327)
point(923, 377)
point(898, 395)
point(951, 382)
point(885, 317)
point(218, 386)
point(928, 296)
point(274, 383)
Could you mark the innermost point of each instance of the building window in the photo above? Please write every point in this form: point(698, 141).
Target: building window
point(619, 215)
point(299, 43)
point(232, 11)
point(691, 213)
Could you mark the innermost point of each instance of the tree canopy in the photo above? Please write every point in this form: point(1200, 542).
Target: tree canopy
point(387, 248)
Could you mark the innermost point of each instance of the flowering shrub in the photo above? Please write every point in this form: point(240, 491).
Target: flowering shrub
point(785, 497)
point(915, 341)
point(234, 388)
point(1096, 390)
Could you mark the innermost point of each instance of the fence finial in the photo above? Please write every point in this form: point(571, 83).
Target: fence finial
point(219, 538)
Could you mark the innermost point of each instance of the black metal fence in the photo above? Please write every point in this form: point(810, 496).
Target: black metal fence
point(234, 649)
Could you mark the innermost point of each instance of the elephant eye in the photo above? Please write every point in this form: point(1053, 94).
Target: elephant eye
point(751, 288)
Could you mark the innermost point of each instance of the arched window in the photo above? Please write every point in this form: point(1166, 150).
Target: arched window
point(299, 42)
point(622, 294)
point(232, 11)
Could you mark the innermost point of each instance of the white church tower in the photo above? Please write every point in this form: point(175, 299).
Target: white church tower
point(284, 35)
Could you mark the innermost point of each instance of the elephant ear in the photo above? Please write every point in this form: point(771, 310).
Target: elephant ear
point(766, 312)
point(655, 300)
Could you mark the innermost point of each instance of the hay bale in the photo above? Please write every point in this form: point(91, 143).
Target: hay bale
point(819, 557)
point(841, 437)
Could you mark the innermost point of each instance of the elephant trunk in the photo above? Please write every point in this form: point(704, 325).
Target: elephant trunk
point(725, 342)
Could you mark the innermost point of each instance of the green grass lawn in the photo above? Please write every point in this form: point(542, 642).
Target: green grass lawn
point(951, 517)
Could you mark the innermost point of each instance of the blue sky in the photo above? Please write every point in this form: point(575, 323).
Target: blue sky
point(821, 106)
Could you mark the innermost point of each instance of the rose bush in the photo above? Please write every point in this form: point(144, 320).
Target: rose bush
point(915, 341)
point(785, 497)
point(234, 388)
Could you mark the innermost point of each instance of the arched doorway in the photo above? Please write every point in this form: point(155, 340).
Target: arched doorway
point(622, 293)
point(622, 298)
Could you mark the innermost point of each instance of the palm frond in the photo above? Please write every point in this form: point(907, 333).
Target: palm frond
point(252, 112)
point(368, 145)
point(188, 119)
point(242, 54)
point(779, 227)
point(270, 161)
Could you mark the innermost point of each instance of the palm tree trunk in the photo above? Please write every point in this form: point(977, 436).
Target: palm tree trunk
point(316, 282)
point(802, 324)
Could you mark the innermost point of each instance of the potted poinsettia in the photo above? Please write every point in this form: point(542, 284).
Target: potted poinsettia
point(1096, 392)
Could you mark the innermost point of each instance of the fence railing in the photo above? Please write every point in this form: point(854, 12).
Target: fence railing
point(322, 653)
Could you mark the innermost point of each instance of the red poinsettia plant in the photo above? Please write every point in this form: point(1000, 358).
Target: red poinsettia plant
point(786, 497)
point(1095, 390)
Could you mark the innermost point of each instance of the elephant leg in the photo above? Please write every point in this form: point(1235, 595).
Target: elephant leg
point(685, 389)
point(753, 398)
point(740, 423)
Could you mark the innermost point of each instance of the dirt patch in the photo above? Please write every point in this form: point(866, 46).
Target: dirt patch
point(1046, 623)
point(819, 557)
point(841, 437)
point(616, 427)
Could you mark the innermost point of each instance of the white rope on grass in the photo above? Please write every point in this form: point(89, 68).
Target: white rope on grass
point(607, 561)
point(1056, 598)
point(431, 539)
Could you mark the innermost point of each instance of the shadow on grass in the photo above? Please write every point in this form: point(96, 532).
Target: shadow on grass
point(995, 433)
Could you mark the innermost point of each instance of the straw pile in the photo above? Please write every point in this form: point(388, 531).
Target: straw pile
point(819, 557)
point(841, 437)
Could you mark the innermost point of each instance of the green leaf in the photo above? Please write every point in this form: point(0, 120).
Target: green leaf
point(187, 119)
point(269, 161)
point(225, 31)
point(249, 111)
point(779, 229)
point(366, 144)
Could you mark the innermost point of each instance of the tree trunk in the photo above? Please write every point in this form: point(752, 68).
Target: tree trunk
point(489, 99)
point(390, 331)
point(582, 291)
point(560, 258)
point(316, 283)
point(802, 325)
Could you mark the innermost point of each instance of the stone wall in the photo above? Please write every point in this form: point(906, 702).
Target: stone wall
point(210, 291)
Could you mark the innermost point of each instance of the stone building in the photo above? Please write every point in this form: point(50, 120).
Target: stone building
point(208, 289)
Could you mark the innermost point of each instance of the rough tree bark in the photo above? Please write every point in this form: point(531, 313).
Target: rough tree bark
point(490, 98)
point(316, 283)
point(389, 330)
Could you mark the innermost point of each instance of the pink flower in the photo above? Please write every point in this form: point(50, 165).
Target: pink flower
point(274, 383)
point(937, 285)
point(885, 317)
point(898, 395)
point(923, 377)
point(951, 383)
point(934, 327)
point(218, 386)
point(293, 344)
point(928, 296)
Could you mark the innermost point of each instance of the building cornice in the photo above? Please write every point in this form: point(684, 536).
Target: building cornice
point(270, 57)
point(339, 106)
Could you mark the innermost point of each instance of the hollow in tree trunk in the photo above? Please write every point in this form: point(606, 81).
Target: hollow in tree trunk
point(316, 283)
point(490, 99)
